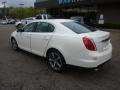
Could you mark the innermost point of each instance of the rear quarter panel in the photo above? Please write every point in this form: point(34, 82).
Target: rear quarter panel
point(70, 46)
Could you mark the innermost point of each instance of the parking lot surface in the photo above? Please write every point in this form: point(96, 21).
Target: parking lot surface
point(24, 71)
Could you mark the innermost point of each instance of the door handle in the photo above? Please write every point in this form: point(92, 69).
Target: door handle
point(46, 38)
point(27, 36)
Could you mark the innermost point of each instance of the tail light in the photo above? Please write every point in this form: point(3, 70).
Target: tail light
point(89, 44)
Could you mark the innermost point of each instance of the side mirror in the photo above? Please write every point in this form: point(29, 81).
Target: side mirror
point(20, 28)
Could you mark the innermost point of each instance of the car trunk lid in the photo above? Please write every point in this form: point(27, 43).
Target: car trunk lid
point(100, 38)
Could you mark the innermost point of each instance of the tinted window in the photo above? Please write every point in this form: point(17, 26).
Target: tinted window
point(44, 27)
point(39, 17)
point(80, 19)
point(49, 17)
point(78, 28)
point(44, 16)
point(29, 27)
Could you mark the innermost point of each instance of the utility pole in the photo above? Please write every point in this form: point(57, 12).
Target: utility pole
point(22, 12)
point(4, 8)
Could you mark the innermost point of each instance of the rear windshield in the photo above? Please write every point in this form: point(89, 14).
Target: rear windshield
point(79, 28)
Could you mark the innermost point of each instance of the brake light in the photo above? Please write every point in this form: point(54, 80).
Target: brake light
point(89, 44)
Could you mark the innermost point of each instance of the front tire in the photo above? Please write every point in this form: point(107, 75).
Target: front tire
point(14, 44)
point(56, 60)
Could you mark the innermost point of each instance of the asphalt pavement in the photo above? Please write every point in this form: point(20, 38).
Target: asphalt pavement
point(20, 70)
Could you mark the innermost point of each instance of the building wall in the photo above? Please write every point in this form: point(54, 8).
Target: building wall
point(109, 8)
point(111, 13)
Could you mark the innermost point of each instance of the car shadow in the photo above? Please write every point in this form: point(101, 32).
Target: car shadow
point(69, 68)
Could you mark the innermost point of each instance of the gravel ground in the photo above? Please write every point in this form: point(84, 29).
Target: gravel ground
point(24, 71)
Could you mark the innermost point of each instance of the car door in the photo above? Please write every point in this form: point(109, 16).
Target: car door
point(41, 37)
point(24, 38)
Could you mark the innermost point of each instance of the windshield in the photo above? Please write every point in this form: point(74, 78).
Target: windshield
point(79, 28)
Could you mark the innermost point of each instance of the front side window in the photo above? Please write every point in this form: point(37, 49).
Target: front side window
point(79, 28)
point(44, 27)
point(29, 27)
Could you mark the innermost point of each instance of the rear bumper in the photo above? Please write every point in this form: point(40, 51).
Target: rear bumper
point(103, 63)
point(94, 60)
point(95, 63)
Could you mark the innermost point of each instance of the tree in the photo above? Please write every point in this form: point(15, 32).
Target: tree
point(20, 12)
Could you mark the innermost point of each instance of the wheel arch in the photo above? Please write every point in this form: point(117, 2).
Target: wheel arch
point(49, 49)
point(53, 48)
point(12, 38)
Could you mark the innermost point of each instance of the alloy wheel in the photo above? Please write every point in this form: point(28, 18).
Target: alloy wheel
point(55, 61)
point(14, 44)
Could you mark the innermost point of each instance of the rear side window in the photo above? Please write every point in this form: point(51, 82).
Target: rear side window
point(30, 27)
point(79, 28)
point(44, 27)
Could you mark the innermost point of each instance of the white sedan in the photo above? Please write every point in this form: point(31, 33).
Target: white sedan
point(64, 42)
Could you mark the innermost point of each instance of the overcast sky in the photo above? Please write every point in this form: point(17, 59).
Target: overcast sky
point(17, 2)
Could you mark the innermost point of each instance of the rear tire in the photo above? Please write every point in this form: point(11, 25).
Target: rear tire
point(56, 60)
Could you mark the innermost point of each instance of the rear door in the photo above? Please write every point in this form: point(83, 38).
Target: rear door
point(41, 37)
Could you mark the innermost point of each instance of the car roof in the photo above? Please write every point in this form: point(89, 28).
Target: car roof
point(54, 20)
